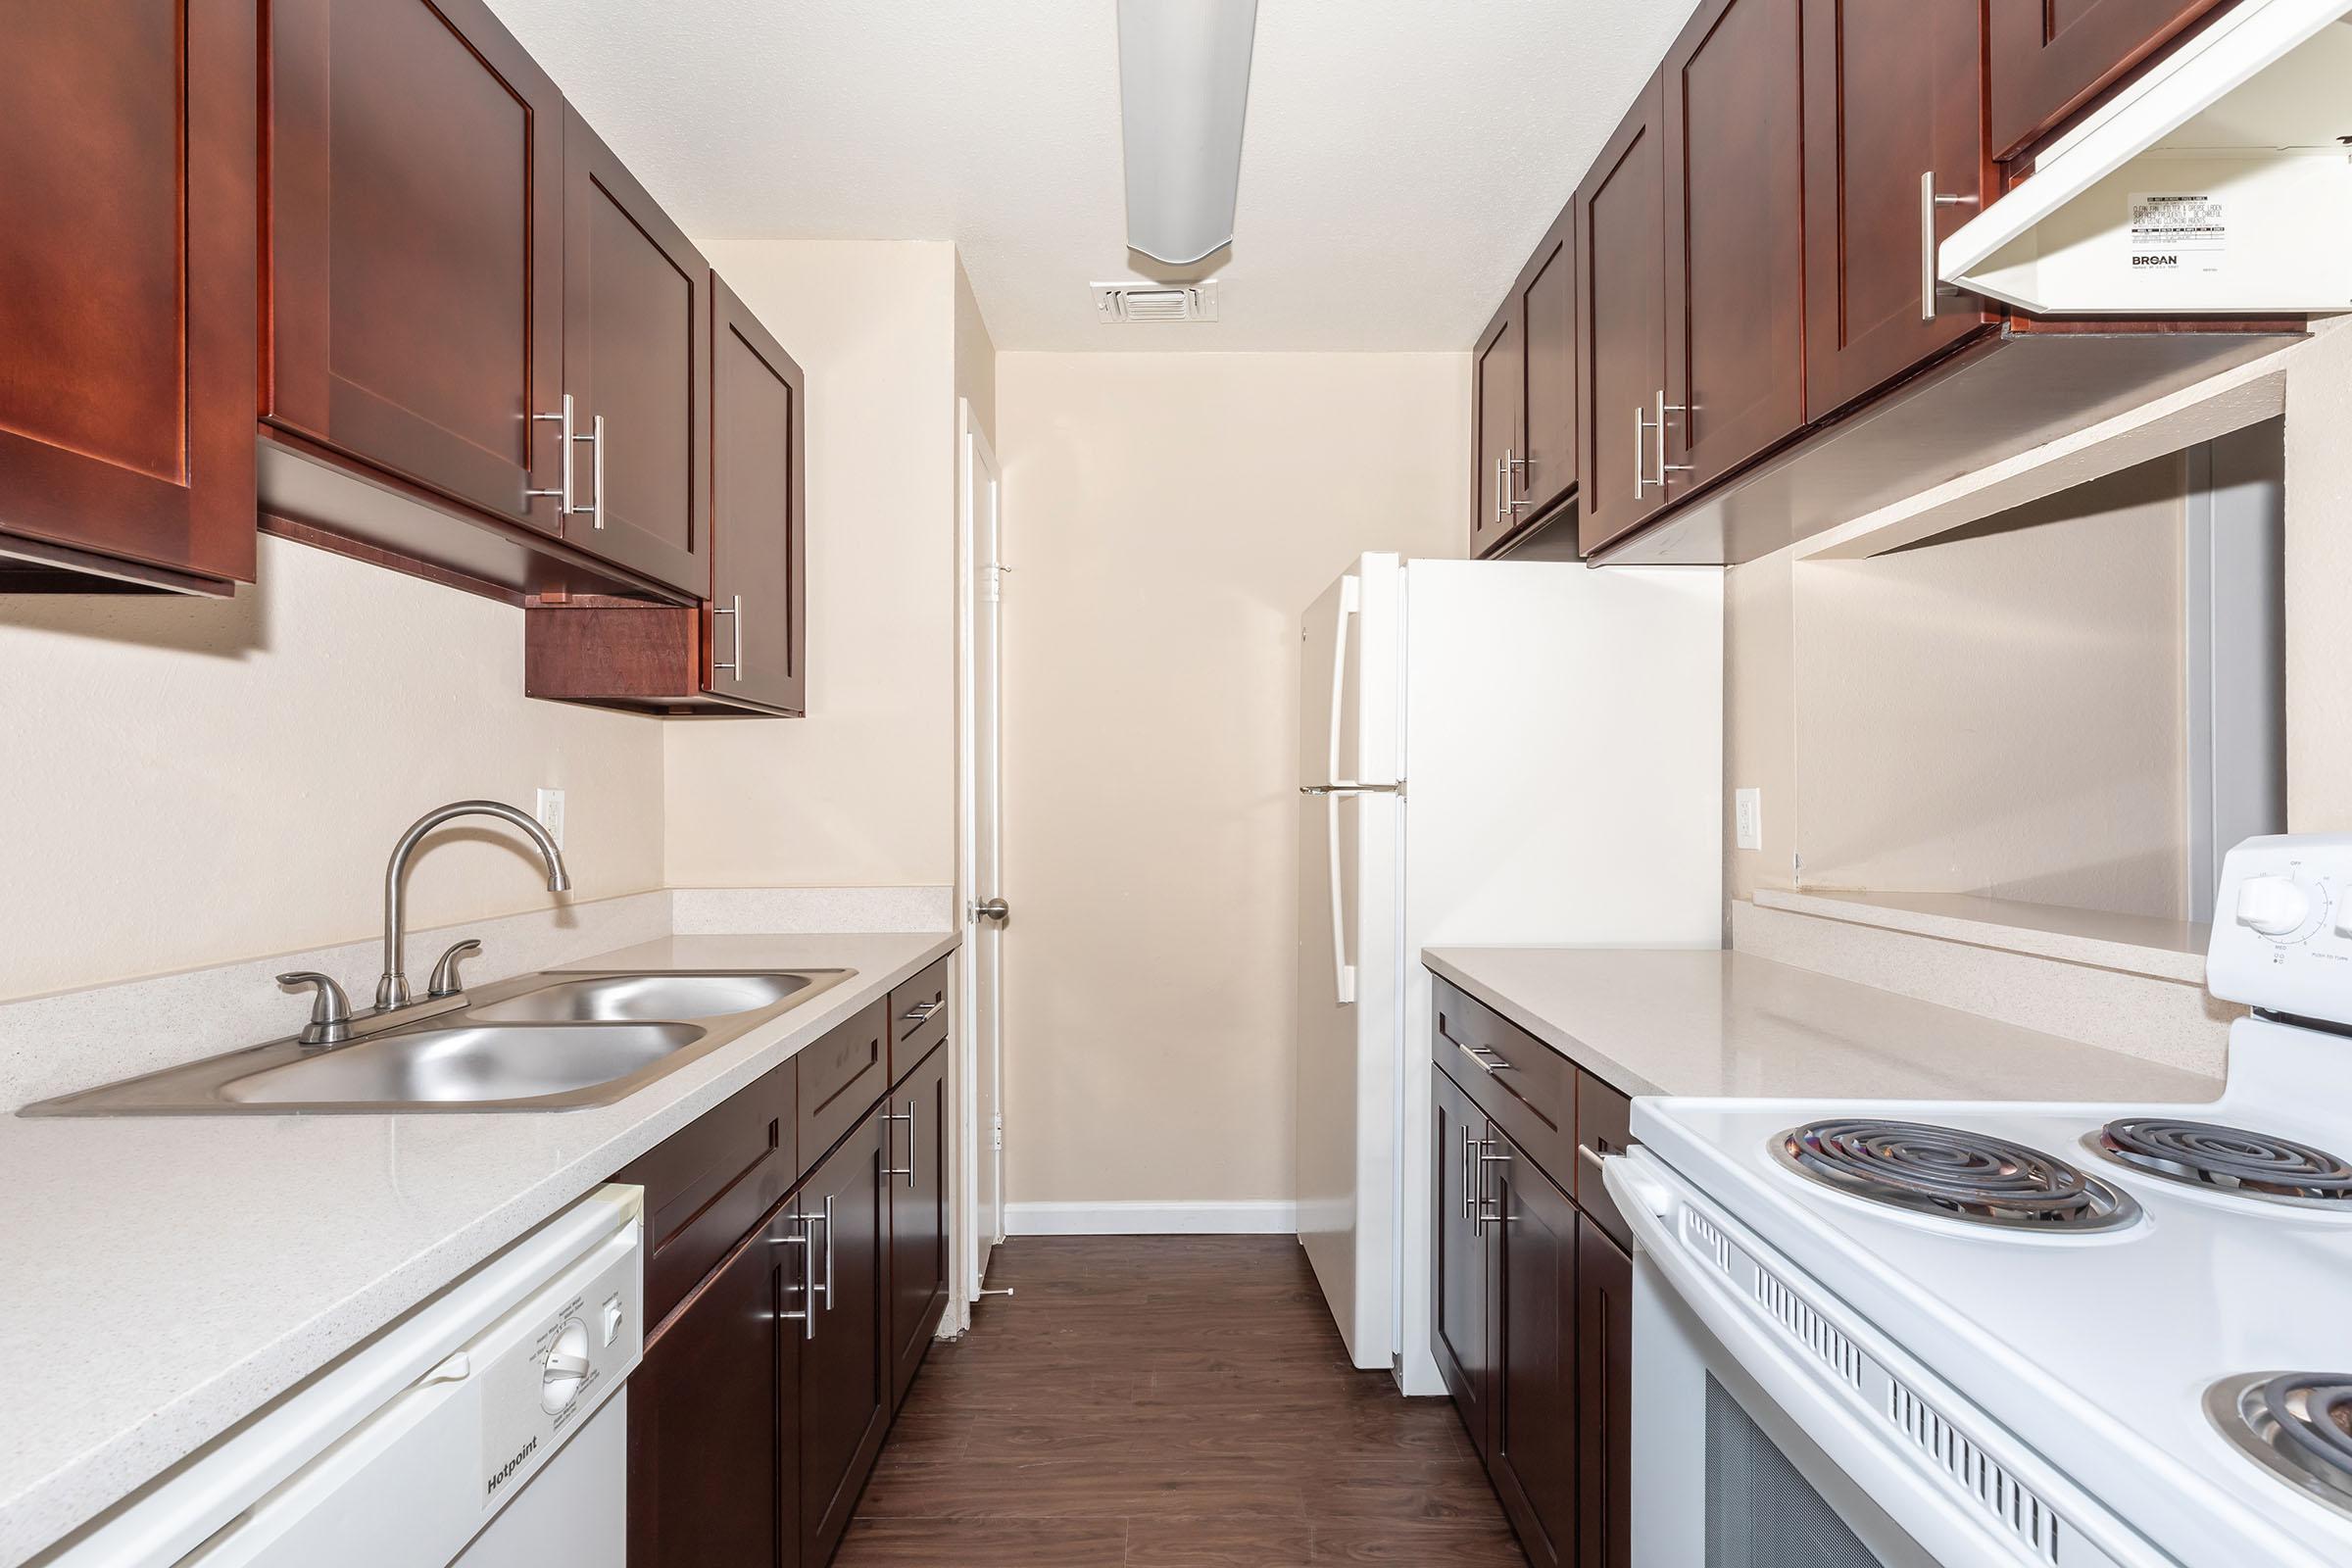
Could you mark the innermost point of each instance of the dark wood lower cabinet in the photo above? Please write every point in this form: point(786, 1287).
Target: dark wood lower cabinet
point(713, 1476)
point(916, 1143)
point(1605, 1404)
point(1530, 1321)
point(1534, 1462)
point(845, 1402)
point(770, 1382)
point(1458, 1283)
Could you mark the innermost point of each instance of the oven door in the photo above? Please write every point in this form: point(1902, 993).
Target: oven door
point(1772, 1429)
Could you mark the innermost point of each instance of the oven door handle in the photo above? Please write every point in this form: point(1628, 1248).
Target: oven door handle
point(1922, 1501)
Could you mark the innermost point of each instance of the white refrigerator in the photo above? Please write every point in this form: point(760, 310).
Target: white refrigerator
point(1491, 753)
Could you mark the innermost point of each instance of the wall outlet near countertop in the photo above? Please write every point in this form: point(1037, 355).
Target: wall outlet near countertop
point(1747, 817)
point(550, 813)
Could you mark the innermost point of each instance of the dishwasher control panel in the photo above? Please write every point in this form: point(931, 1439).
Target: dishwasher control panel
point(548, 1367)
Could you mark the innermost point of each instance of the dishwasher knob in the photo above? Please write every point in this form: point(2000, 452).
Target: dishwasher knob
point(566, 1366)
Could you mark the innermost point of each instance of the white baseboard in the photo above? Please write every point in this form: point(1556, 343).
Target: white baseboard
point(1264, 1217)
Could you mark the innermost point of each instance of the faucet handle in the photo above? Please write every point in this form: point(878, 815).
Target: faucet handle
point(331, 1008)
point(445, 973)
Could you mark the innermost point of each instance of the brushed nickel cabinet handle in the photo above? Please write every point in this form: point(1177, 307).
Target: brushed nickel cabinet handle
point(734, 614)
point(1484, 1160)
point(596, 457)
point(563, 490)
point(890, 1141)
point(1929, 201)
point(806, 1317)
point(1664, 467)
point(1480, 1054)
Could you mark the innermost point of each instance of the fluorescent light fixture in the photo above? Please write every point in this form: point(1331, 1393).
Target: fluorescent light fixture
point(1184, 79)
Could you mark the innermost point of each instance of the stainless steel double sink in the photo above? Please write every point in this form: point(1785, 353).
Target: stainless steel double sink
point(539, 1042)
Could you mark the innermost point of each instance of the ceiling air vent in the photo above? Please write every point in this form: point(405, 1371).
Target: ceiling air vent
point(1155, 302)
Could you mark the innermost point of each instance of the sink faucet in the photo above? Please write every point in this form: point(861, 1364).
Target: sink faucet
point(392, 990)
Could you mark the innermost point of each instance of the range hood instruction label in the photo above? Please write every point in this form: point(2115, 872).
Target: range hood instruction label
point(2177, 234)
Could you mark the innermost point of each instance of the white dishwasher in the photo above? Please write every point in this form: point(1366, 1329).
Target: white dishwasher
point(486, 1429)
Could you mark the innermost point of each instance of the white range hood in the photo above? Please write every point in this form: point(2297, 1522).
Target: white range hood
point(2218, 182)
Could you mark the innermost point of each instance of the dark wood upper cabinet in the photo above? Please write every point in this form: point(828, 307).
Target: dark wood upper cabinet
point(1460, 1259)
point(1894, 161)
point(415, 307)
point(127, 294)
point(713, 1472)
point(1546, 474)
point(636, 334)
point(1496, 390)
point(846, 1404)
point(1621, 325)
point(1605, 1404)
point(1523, 437)
point(1734, 249)
point(759, 509)
point(2048, 58)
point(916, 1143)
point(1534, 1462)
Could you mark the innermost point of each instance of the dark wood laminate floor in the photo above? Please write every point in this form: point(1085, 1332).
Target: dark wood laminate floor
point(1168, 1401)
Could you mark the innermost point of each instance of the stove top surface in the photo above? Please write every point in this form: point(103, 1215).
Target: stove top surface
point(2140, 1342)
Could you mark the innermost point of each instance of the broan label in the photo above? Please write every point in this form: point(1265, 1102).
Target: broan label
point(2176, 232)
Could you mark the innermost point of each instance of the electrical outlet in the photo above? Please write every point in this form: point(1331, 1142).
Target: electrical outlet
point(1748, 818)
point(551, 814)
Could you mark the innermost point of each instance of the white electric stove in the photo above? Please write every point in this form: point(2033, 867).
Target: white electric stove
point(1936, 1335)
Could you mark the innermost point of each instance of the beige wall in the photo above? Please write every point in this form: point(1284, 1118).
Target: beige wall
point(193, 781)
point(2319, 585)
point(863, 791)
point(1168, 516)
point(1999, 712)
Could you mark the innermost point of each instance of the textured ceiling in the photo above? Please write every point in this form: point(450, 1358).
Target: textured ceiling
point(1402, 157)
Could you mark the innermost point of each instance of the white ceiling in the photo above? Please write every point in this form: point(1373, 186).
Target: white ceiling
point(1402, 157)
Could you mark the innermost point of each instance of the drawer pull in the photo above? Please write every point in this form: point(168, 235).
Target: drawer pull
point(920, 1012)
point(1584, 1152)
point(1480, 1054)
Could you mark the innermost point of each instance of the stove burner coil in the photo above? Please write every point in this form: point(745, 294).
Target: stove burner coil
point(1952, 1172)
point(2228, 1159)
point(2297, 1424)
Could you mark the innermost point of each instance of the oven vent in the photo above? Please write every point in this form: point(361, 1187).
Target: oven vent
point(1140, 302)
point(1711, 1240)
point(1835, 1349)
point(2025, 1516)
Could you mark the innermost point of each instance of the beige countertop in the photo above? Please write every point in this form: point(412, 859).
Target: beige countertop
point(162, 1278)
point(1693, 1022)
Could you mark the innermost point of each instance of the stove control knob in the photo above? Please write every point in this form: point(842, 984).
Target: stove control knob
point(567, 1367)
point(2274, 905)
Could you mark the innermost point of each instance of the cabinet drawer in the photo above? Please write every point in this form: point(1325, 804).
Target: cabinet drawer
point(918, 1019)
point(841, 1076)
point(1527, 1088)
point(708, 1184)
point(1603, 1122)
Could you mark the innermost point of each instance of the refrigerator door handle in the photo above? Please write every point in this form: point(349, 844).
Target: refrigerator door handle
point(1351, 605)
point(1343, 973)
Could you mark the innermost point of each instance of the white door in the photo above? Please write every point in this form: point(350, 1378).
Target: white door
point(980, 850)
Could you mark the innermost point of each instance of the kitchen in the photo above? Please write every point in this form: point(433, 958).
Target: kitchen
point(1690, 921)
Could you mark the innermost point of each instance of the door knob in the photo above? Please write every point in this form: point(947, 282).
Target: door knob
point(992, 909)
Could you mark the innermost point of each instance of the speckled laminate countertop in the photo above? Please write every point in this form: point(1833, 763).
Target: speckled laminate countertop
point(1694, 1022)
point(161, 1278)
